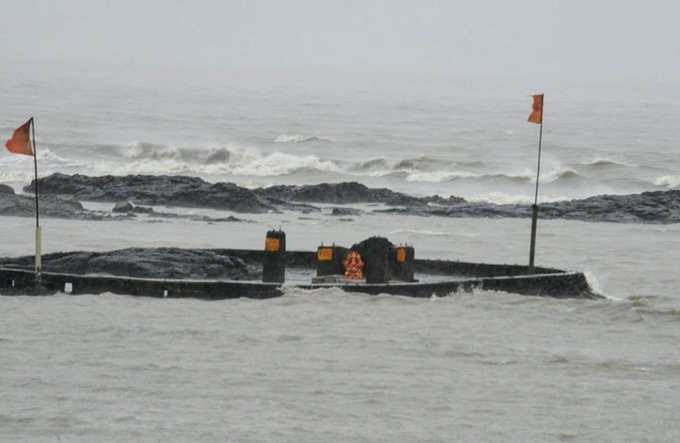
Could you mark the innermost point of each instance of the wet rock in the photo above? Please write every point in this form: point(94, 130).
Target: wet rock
point(337, 193)
point(647, 207)
point(50, 206)
point(145, 263)
point(342, 212)
point(377, 254)
point(155, 190)
point(124, 206)
point(4, 189)
point(128, 207)
point(195, 192)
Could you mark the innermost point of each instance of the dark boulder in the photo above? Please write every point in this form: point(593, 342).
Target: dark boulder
point(128, 207)
point(124, 206)
point(377, 254)
point(342, 212)
point(336, 193)
point(50, 206)
point(145, 263)
point(154, 190)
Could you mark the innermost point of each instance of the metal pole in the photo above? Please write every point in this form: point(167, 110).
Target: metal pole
point(38, 236)
point(534, 208)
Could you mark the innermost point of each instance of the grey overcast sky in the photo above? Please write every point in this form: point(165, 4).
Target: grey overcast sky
point(558, 38)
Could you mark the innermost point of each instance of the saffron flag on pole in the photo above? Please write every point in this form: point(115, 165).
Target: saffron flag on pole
point(536, 115)
point(20, 143)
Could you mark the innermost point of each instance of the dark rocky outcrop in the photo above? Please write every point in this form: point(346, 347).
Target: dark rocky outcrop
point(378, 257)
point(60, 194)
point(343, 212)
point(58, 206)
point(12, 204)
point(132, 210)
point(348, 193)
point(154, 190)
point(127, 207)
point(647, 207)
point(195, 192)
point(145, 263)
point(4, 189)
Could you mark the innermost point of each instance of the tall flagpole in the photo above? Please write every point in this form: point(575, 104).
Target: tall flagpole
point(38, 233)
point(534, 208)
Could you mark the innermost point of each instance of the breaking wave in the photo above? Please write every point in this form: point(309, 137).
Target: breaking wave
point(45, 153)
point(526, 177)
point(150, 151)
point(373, 165)
point(149, 158)
point(605, 162)
point(668, 181)
point(296, 138)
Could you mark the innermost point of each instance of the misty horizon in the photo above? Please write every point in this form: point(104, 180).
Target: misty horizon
point(531, 40)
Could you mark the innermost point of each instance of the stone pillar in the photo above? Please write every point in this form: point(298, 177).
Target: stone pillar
point(404, 263)
point(274, 258)
point(329, 260)
point(376, 253)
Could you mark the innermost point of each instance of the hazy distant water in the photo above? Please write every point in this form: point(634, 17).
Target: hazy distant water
point(328, 366)
point(468, 139)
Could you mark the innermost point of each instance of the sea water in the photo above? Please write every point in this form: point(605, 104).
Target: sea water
point(326, 365)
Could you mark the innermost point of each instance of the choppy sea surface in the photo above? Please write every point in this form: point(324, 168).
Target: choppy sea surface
point(331, 366)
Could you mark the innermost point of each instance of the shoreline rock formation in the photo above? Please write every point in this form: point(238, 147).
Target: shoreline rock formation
point(145, 263)
point(661, 207)
point(62, 194)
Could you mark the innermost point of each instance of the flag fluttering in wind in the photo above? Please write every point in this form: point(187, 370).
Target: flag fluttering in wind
point(23, 142)
point(20, 143)
point(536, 115)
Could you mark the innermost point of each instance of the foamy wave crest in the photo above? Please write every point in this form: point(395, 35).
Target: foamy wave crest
point(526, 177)
point(514, 199)
point(378, 165)
point(279, 163)
point(558, 174)
point(297, 138)
point(604, 162)
point(669, 181)
point(439, 176)
point(422, 163)
point(150, 151)
point(154, 158)
point(46, 154)
point(423, 169)
point(594, 284)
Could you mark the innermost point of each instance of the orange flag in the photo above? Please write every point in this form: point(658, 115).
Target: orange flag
point(20, 143)
point(536, 115)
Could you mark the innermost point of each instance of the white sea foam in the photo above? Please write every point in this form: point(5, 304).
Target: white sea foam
point(557, 174)
point(47, 154)
point(606, 161)
point(438, 176)
point(669, 181)
point(279, 163)
point(147, 158)
point(594, 283)
point(514, 199)
point(298, 138)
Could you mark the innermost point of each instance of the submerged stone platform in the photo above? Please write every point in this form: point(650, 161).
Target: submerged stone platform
point(438, 277)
